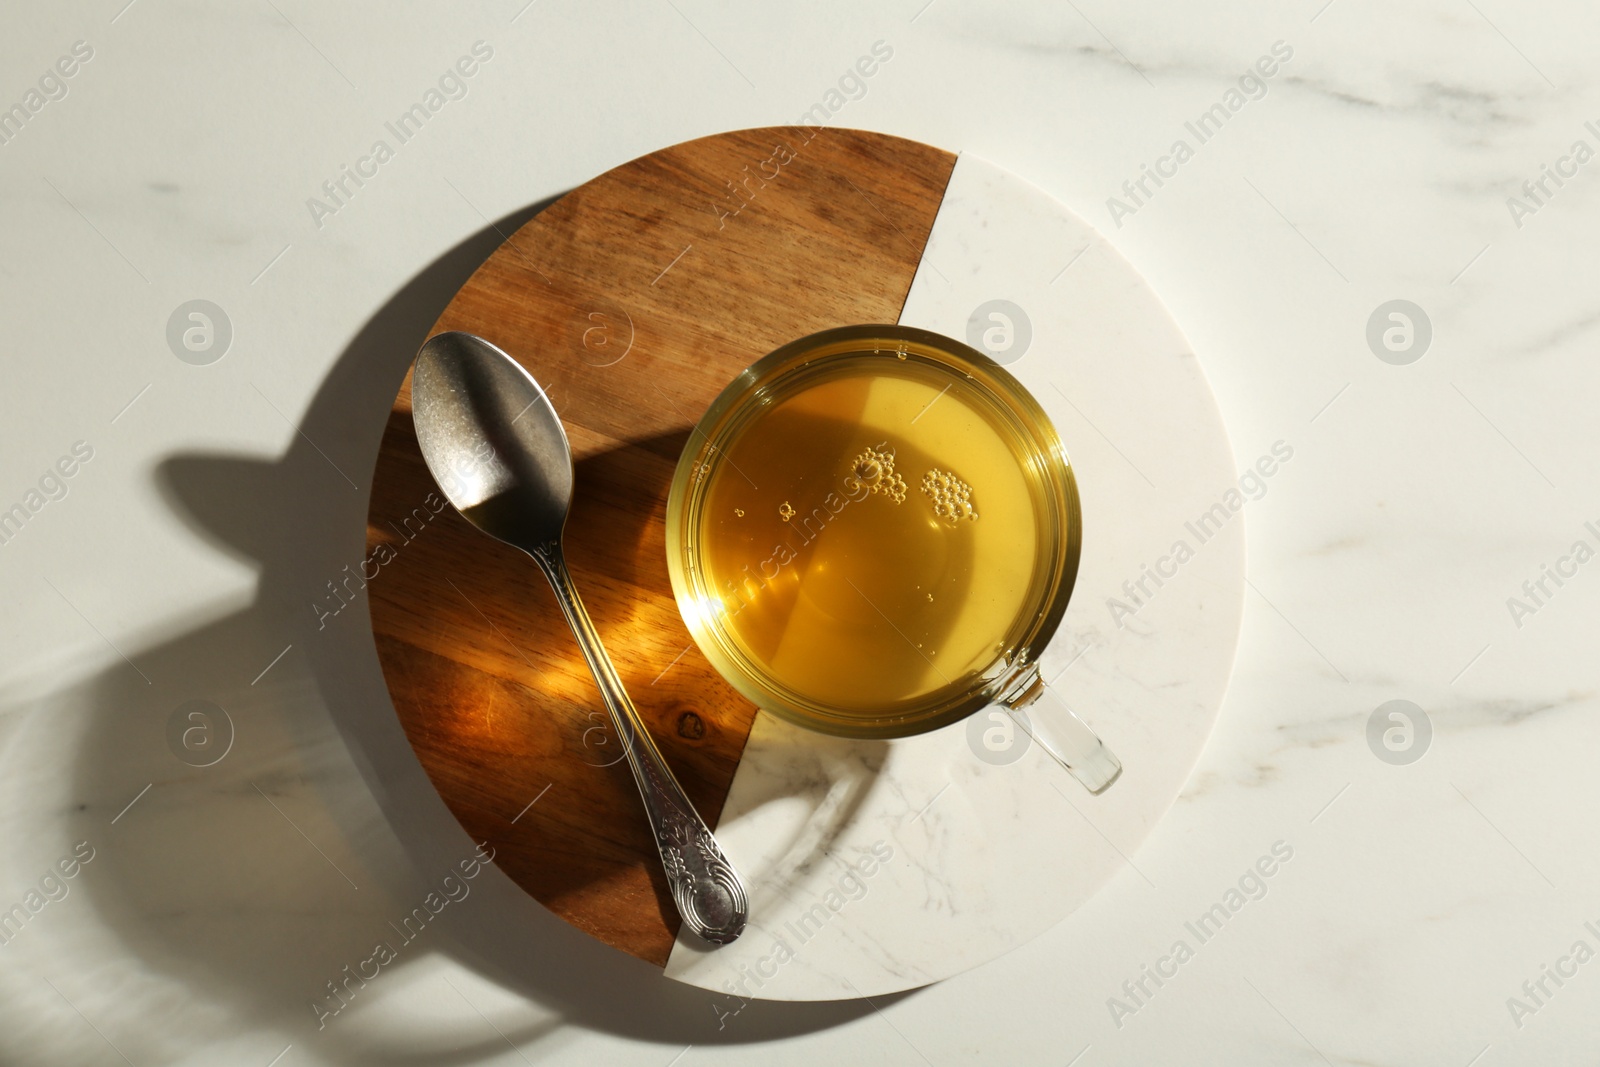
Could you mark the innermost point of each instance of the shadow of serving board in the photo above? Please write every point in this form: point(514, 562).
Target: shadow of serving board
point(633, 300)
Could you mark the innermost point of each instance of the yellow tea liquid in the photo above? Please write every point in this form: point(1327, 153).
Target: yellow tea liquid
point(875, 535)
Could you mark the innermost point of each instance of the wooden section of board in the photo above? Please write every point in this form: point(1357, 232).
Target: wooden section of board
point(633, 300)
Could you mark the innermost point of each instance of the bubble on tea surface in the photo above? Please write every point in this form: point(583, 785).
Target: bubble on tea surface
point(739, 512)
point(952, 497)
point(785, 511)
point(874, 468)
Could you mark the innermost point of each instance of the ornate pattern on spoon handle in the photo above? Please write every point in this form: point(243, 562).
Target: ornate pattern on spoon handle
point(704, 885)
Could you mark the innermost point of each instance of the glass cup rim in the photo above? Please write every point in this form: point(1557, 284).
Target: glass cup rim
point(750, 387)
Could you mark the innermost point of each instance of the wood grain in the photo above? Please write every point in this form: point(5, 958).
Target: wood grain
point(633, 300)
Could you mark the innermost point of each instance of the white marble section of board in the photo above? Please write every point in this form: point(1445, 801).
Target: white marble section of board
point(875, 867)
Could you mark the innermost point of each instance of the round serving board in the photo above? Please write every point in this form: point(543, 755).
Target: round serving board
point(871, 866)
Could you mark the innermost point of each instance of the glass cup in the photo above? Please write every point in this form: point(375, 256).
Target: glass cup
point(873, 532)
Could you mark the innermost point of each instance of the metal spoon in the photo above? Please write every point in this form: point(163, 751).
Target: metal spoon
point(496, 447)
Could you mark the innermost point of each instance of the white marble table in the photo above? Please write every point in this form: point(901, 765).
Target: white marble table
point(1411, 910)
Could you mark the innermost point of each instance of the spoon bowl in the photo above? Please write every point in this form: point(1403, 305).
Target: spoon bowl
point(492, 440)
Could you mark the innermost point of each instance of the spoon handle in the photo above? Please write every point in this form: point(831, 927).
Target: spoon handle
point(704, 884)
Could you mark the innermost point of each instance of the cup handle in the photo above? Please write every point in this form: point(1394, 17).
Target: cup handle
point(1066, 738)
